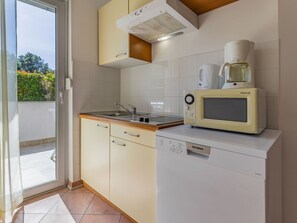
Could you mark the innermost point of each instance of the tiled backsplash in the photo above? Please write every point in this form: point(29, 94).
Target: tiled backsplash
point(158, 87)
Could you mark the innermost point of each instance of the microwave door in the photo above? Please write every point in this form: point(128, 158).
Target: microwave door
point(226, 109)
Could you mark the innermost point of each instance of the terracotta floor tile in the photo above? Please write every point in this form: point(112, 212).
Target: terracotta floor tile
point(124, 220)
point(98, 206)
point(100, 219)
point(77, 218)
point(78, 202)
point(53, 218)
point(27, 218)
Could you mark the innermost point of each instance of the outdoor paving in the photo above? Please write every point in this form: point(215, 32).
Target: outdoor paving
point(36, 165)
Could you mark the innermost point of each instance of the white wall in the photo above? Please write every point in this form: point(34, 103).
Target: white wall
point(94, 87)
point(288, 105)
point(255, 20)
point(36, 120)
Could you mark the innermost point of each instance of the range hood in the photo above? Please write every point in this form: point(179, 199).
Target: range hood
point(159, 20)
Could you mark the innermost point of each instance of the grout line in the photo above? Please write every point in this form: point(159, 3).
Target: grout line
point(88, 206)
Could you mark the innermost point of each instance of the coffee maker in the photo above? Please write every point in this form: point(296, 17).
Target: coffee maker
point(238, 68)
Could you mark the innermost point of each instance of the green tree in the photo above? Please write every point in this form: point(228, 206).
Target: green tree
point(32, 63)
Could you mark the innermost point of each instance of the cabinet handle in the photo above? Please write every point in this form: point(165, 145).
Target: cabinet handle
point(121, 54)
point(130, 134)
point(102, 126)
point(119, 144)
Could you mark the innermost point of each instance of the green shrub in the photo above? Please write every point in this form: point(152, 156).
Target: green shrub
point(49, 84)
point(36, 86)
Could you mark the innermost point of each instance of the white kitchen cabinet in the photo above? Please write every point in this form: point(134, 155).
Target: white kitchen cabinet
point(95, 155)
point(118, 48)
point(133, 179)
point(136, 4)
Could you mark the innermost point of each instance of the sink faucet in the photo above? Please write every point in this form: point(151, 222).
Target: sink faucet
point(132, 111)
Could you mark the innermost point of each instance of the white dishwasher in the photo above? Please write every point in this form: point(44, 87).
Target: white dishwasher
point(207, 176)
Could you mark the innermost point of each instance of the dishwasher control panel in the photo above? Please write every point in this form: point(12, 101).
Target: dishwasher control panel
point(171, 146)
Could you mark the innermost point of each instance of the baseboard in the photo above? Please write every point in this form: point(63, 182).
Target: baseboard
point(73, 185)
point(108, 202)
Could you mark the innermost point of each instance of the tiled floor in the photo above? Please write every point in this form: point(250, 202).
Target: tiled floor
point(68, 206)
point(37, 167)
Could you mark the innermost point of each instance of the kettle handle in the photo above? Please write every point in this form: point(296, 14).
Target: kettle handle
point(200, 75)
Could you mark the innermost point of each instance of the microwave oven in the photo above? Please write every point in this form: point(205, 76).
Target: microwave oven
point(237, 110)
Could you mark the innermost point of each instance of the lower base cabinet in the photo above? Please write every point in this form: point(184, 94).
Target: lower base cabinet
point(133, 179)
point(95, 155)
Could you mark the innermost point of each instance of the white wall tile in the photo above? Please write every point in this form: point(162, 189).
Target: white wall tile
point(172, 68)
point(175, 84)
point(188, 66)
point(188, 83)
point(167, 87)
point(175, 102)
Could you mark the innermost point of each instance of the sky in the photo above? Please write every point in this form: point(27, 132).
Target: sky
point(36, 32)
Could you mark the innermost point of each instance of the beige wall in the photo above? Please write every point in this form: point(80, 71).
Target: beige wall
point(94, 87)
point(288, 105)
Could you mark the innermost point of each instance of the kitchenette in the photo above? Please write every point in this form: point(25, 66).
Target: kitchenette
point(179, 123)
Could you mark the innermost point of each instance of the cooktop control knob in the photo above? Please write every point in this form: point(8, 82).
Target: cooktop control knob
point(189, 99)
point(147, 120)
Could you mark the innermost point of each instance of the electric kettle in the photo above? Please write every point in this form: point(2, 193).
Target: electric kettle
point(208, 76)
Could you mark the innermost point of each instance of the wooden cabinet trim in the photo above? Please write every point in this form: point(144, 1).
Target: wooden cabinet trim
point(140, 49)
point(203, 6)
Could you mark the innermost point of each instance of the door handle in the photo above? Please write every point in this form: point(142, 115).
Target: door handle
point(131, 134)
point(102, 126)
point(61, 97)
point(119, 144)
point(121, 54)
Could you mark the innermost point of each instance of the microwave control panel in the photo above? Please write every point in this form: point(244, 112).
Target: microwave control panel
point(189, 107)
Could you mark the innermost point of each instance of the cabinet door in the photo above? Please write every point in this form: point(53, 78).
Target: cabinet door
point(95, 155)
point(136, 4)
point(133, 179)
point(113, 42)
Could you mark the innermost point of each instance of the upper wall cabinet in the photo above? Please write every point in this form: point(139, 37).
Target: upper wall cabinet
point(136, 4)
point(116, 47)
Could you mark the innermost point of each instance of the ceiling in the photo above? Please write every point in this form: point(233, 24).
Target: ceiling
point(202, 6)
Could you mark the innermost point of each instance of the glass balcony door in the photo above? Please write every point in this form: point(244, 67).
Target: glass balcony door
point(42, 64)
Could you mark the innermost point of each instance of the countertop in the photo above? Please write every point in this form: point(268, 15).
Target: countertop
point(253, 145)
point(129, 123)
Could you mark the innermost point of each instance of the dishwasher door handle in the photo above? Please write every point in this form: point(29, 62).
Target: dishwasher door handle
point(197, 149)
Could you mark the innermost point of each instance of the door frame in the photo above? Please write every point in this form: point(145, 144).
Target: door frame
point(61, 14)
